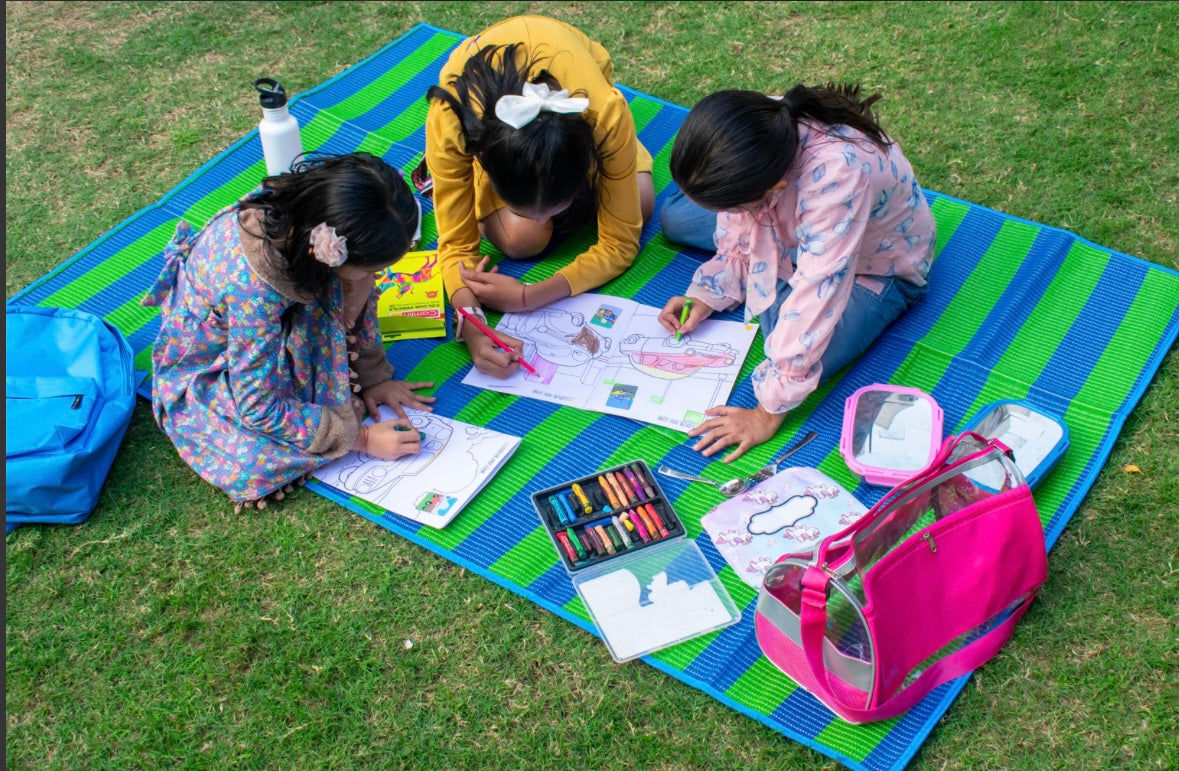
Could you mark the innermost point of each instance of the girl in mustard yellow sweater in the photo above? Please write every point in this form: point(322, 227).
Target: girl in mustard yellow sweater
point(527, 139)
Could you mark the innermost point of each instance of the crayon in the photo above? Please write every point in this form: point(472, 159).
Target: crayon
point(621, 532)
point(619, 490)
point(585, 543)
point(597, 539)
point(647, 523)
point(566, 503)
point(599, 547)
point(421, 434)
point(634, 482)
point(605, 487)
point(613, 535)
point(576, 543)
point(640, 527)
point(555, 504)
point(564, 539)
point(586, 506)
point(643, 479)
point(605, 538)
point(656, 519)
point(624, 518)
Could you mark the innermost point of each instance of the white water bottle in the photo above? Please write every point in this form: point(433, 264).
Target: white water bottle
point(279, 131)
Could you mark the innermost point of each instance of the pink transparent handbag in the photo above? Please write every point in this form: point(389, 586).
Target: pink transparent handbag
point(925, 587)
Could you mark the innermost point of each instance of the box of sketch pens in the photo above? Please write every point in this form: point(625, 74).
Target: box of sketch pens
point(645, 585)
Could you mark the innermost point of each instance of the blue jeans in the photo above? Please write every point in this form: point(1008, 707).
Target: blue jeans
point(866, 316)
point(686, 223)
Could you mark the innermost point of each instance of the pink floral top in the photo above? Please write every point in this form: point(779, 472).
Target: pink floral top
point(850, 209)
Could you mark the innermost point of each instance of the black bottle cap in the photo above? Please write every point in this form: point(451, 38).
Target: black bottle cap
point(270, 93)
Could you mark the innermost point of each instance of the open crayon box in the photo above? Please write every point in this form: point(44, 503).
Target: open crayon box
point(645, 585)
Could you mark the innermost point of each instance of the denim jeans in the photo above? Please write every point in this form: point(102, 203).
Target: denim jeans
point(686, 223)
point(867, 314)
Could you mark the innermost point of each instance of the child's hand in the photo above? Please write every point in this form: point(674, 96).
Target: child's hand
point(393, 439)
point(669, 317)
point(396, 393)
point(492, 288)
point(488, 357)
point(735, 425)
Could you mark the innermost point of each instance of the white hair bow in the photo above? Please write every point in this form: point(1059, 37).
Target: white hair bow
point(519, 110)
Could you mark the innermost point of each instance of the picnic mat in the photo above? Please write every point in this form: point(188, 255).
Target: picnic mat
point(1016, 310)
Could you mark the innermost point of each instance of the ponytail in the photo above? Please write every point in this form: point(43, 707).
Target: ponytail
point(549, 161)
point(736, 145)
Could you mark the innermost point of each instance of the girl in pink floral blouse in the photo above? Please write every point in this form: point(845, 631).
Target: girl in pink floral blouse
point(268, 352)
point(819, 226)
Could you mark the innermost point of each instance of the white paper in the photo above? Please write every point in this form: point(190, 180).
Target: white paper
point(675, 611)
point(456, 460)
point(608, 354)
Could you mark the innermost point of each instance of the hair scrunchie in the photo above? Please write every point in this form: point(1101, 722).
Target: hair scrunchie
point(328, 247)
point(520, 110)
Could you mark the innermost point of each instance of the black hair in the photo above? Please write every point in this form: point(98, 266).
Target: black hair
point(552, 160)
point(735, 145)
point(358, 194)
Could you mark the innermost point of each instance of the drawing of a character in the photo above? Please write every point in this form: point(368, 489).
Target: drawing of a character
point(763, 497)
point(822, 490)
point(759, 565)
point(801, 533)
point(404, 282)
point(732, 538)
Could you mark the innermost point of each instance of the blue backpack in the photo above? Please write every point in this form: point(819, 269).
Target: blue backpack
point(69, 394)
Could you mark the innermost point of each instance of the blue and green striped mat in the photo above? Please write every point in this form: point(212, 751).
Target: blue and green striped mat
point(1016, 310)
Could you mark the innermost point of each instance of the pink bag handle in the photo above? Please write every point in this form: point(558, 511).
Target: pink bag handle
point(840, 542)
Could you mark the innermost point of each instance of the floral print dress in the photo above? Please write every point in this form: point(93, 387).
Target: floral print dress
point(251, 378)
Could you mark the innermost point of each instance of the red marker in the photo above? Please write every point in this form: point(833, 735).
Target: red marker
point(494, 338)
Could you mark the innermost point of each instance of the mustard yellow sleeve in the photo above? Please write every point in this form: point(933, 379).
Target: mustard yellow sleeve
point(454, 195)
point(620, 216)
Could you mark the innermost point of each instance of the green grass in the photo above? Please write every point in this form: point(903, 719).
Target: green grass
point(167, 631)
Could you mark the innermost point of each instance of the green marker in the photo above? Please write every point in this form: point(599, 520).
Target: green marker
point(421, 434)
point(683, 316)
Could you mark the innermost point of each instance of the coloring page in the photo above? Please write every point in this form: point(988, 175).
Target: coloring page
point(789, 513)
point(455, 462)
point(608, 354)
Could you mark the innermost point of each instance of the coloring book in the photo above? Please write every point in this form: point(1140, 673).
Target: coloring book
point(455, 462)
point(608, 354)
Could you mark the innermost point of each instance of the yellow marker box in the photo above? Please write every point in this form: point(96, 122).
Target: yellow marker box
point(411, 302)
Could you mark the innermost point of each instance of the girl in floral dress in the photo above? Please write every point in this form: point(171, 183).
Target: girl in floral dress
point(819, 227)
point(268, 352)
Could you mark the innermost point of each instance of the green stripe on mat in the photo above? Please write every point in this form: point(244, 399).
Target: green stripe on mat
point(96, 280)
point(964, 315)
point(762, 687)
point(947, 215)
point(528, 560)
point(1146, 319)
point(644, 111)
point(855, 741)
point(661, 173)
point(389, 82)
